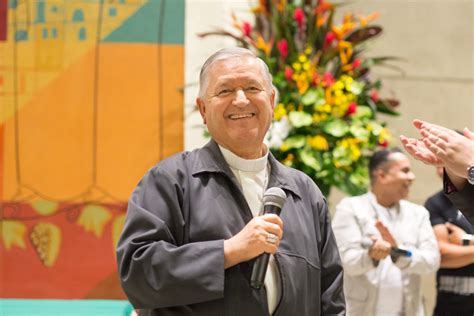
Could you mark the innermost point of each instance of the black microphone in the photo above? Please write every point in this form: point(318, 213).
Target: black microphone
point(395, 251)
point(273, 200)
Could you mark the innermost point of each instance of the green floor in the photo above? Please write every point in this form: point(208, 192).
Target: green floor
point(21, 307)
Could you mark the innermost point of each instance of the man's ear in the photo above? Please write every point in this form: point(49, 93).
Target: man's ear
point(272, 98)
point(272, 101)
point(380, 175)
point(202, 108)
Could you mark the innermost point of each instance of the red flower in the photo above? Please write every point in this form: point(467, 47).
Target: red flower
point(328, 79)
point(322, 7)
point(351, 109)
point(283, 48)
point(247, 29)
point(374, 95)
point(316, 79)
point(288, 73)
point(384, 144)
point(328, 39)
point(356, 63)
point(298, 15)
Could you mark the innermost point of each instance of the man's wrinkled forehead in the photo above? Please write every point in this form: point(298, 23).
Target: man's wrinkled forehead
point(236, 68)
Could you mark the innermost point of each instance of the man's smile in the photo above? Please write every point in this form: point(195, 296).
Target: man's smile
point(240, 116)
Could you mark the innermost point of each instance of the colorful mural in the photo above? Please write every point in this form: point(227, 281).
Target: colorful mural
point(90, 98)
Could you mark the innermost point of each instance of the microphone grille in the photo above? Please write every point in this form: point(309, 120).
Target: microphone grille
point(274, 195)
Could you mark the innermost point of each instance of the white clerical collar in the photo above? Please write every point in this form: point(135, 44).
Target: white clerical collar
point(246, 165)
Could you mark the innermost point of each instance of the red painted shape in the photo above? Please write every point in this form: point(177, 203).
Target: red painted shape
point(3, 19)
point(84, 260)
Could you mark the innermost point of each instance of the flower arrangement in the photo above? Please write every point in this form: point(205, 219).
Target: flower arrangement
point(326, 117)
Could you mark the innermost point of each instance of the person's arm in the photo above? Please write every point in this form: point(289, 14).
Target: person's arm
point(457, 234)
point(156, 268)
point(463, 199)
point(425, 255)
point(355, 258)
point(452, 255)
point(332, 293)
point(440, 146)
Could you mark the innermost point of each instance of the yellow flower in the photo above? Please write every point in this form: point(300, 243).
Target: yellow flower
point(302, 58)
point(296, 66)
point(284, 147)
point(384, 135)
point(355, 152)
point(280, 111)
point(338, 85)
point(316, 118)
point(347, 79)
point(318, 142)
point(302, 86)
point(308, 50)
point(289, 160)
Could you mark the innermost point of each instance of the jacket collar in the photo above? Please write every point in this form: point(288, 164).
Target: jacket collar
point(209, 159)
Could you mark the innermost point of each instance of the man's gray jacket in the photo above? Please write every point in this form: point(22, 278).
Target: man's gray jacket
point(171, 251)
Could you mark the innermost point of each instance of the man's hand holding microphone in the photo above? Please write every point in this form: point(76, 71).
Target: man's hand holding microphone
point(259, 238)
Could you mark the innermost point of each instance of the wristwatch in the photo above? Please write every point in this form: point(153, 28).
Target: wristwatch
point(470, 174)
point(466, 239)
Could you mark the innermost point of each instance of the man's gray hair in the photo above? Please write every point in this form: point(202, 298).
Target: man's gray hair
point(227, 53)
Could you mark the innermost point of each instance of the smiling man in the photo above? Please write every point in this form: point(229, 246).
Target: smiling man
point(194, 223)
point(386, 243)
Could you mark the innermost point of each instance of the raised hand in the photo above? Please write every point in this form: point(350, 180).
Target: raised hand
point(385, 233)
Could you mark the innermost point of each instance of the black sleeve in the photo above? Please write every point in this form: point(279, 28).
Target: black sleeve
point(464, 201)
point(156, 269)
point(435, 207)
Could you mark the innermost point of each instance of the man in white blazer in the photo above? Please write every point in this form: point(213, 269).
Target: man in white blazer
point(386, 243)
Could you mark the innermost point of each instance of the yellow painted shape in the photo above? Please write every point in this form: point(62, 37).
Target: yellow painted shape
point(44, 207)
point(46, 240)
point(93, 219)
point(13, 234)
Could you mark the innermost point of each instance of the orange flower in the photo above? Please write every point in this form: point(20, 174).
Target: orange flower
point(366, 20)
point(261, 7)
point(281, 5)
point(264, 46)
point(322, 7)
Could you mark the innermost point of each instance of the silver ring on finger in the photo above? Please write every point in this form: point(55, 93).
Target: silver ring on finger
point(272, 238)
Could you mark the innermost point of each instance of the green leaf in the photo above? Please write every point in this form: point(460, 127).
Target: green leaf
point(308, 158)
point(300, 119)
point(359, 132)
point(336, 128)
point(313, 96)
point(356, 87)
point(310, 97)
point(362, 112)
point(297, 141)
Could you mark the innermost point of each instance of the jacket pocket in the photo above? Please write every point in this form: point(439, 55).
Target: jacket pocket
point(301, 283)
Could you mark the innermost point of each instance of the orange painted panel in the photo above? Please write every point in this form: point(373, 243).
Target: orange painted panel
point(64, 157)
